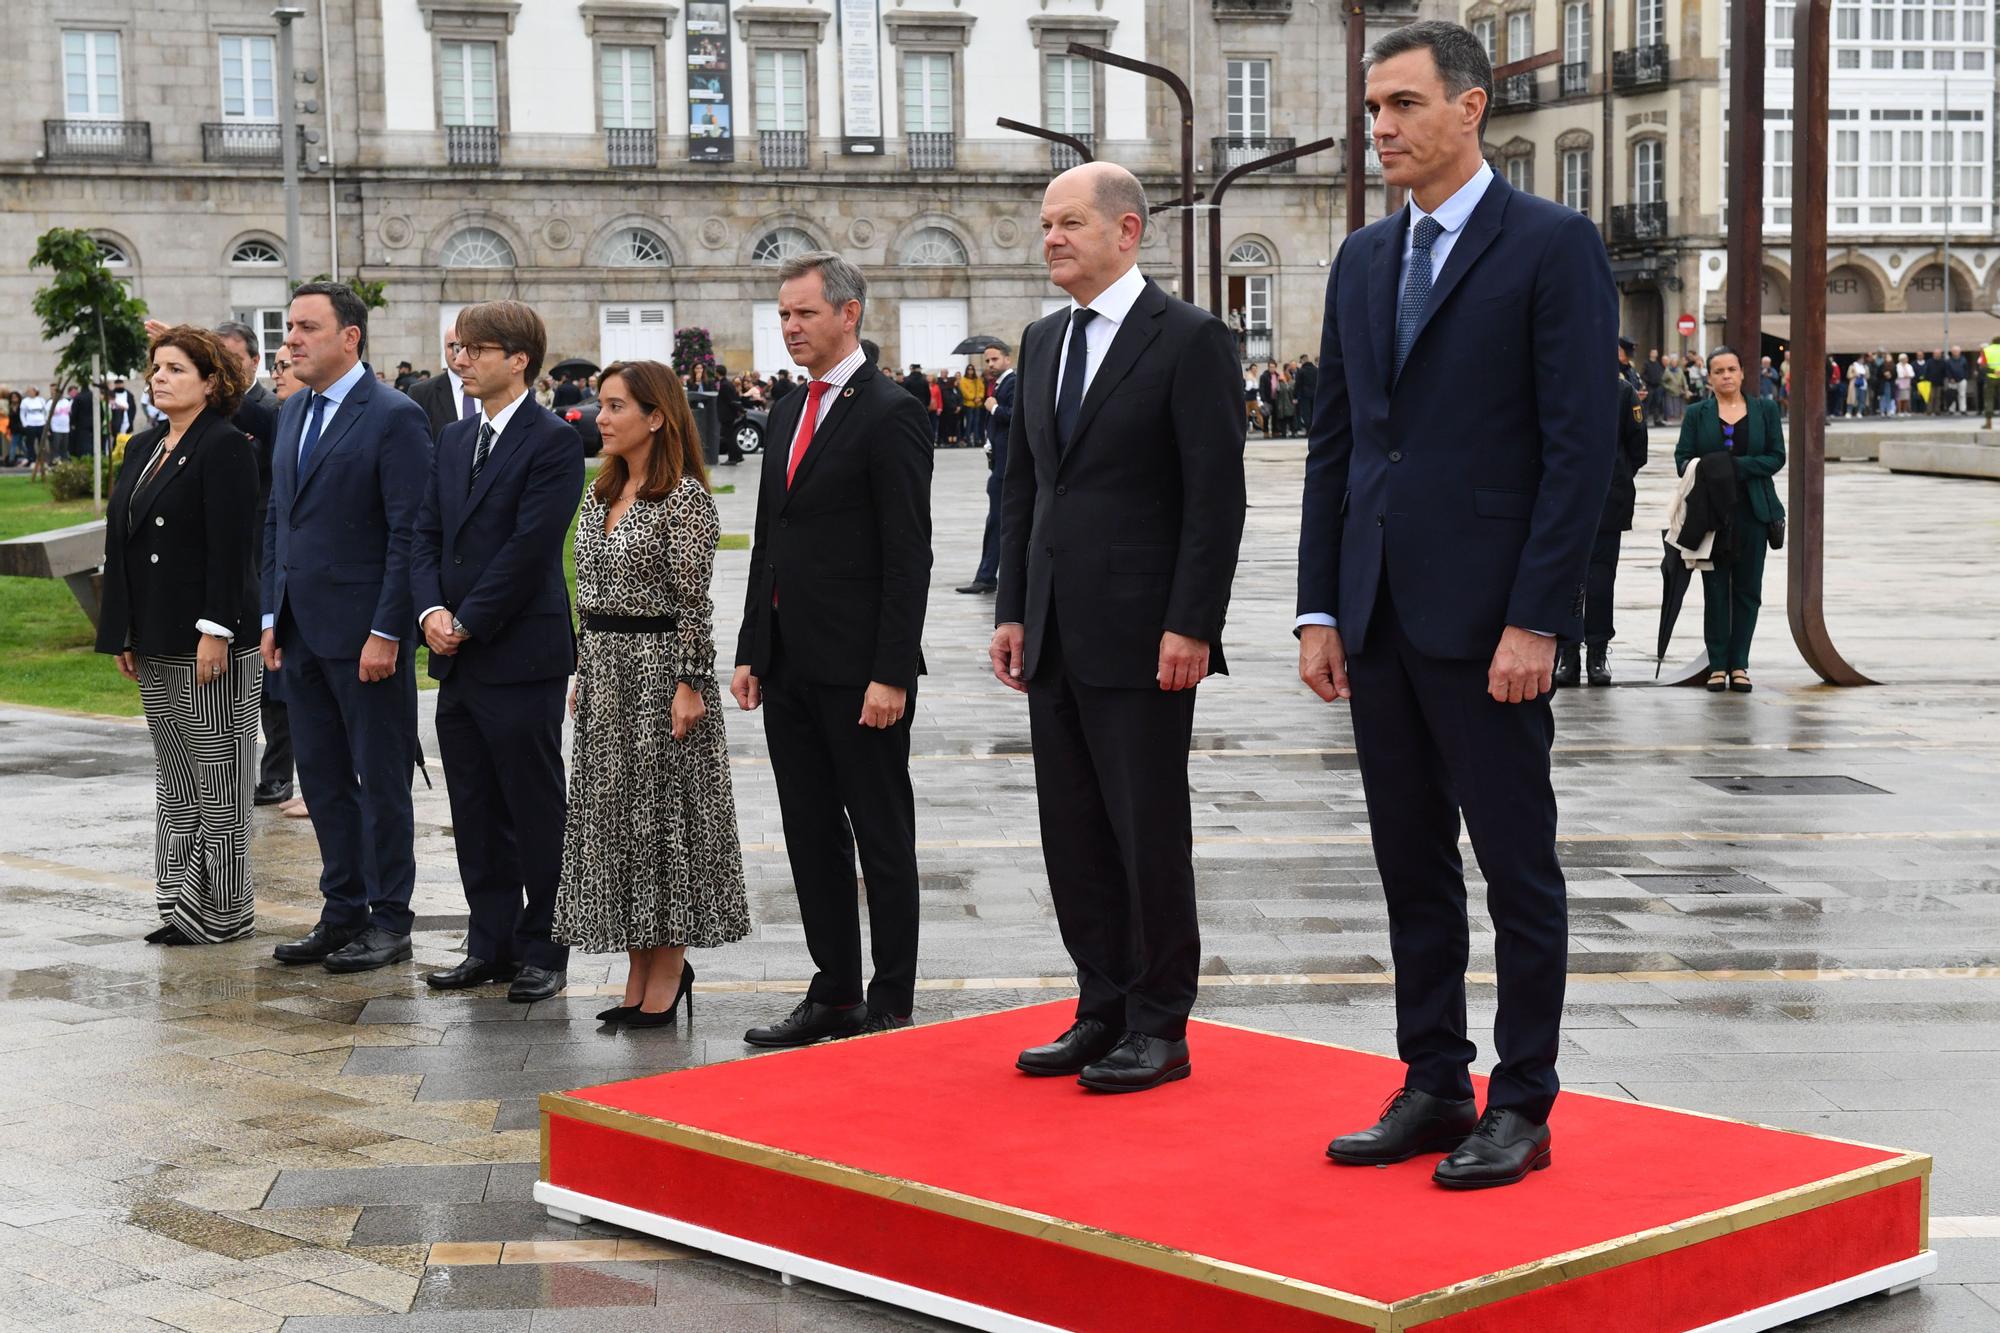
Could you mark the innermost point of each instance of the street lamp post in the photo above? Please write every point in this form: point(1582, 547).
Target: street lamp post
point(288, 133)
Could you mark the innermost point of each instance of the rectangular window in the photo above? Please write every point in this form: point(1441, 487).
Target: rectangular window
point(1779, 165)
point(1943, 60)
point(1847, 59)
point(1781, 21)
point(1881, 163)
point(1066, 95)
point(926, 92)
point(1940, 175)
point(781, 90)
point(91, 79)
point(1974, 60)
point(1576, 179)
point(249, 86)
point(1972, 163)
point(1913, 25)
point(1516, 169)
point(1880, 214)
point(1847, 21)
point(1882, 22)
point(1910, 163)
point(1782, 57)
point(1944, 24)
point(1520, 34)
point(1913, 60)
point(1649, 184)
point(1249, 101)
point(1652, 22)
point(1846, 164)
point(1882, 60)
point(1975, 24)
point(1576, 33)
point(470, 82)
point(626, 76)
point(1847, 216)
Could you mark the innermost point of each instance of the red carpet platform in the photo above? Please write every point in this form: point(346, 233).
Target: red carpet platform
point(919, 1168)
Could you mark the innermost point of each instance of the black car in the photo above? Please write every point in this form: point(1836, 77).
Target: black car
point(583, 416)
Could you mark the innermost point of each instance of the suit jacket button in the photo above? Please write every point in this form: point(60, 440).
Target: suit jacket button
point(1046, 550)
point(1062, 490)
point(159, 522)
point(458, 560)
point(1395, 455)
point(154, 559)
point(784, 522)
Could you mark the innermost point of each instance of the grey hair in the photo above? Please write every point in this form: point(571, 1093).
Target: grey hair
point(1118, 193)
point(1461, 59)
point(840, 280)
point(243, 333)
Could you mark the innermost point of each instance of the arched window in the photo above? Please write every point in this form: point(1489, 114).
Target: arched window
point(780, 244)
point(477, 247)
point(260, 253)
point(112, 253)
point(934, 247)
point(636, 247)
point(1250, 254)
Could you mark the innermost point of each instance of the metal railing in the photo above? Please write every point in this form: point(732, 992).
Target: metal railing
point(1639, 222)
point(98, 140)
point(1574, 78)
point(1254, 345)
point(472, 145)
point(1639, 66)
point(1517, 92)
point(1062, 157)
point(931, 150)
point(782, 148)
point(245, 143)
point(1227, 152)
point(631, 148)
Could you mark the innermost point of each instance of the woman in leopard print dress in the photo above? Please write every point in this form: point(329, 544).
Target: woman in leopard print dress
point(651, 861)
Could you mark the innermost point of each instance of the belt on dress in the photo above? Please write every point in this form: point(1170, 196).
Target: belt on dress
point(596, 623)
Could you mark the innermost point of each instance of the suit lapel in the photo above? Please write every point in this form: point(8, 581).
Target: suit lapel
point(827, 433)
point(1134, 336)
point(143, 501)
point(1384, 269)
point(1480, 231)
point(332, 432)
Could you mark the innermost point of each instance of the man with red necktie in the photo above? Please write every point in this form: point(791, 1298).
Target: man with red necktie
point(831, 649)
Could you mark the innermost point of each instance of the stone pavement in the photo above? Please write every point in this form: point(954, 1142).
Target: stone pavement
point(200, 1139)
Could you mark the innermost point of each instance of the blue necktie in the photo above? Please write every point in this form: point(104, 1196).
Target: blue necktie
point(311, 436)
point(1069, 399)
point(1416, 287)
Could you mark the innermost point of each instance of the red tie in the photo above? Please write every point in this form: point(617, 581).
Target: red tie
point(814, 392)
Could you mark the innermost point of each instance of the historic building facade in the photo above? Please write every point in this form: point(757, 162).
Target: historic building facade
point(630, 167)
point(1631, 125)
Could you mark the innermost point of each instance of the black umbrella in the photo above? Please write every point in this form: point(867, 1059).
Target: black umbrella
point(1677, 575)
point(976, 344)
point(575, 367)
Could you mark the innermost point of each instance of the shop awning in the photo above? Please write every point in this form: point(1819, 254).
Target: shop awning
point(1853, 334)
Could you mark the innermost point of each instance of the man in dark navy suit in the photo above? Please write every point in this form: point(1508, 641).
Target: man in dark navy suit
point(1457, 467)
point(1000, 364)
point(486, 571)
point(346, 477)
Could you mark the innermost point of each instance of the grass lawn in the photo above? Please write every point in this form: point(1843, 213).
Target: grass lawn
point(47, 643)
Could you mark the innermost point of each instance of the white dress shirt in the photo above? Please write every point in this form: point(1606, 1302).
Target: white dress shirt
point(499, 424)
point(837, 378)
point(1112, 305)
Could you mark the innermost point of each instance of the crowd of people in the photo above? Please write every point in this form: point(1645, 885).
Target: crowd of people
point(1938, 383)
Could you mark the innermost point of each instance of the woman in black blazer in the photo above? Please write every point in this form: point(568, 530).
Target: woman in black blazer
point(181, 616)
point(1752, 432)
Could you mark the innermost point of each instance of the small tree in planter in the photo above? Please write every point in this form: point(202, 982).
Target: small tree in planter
point(692, 347)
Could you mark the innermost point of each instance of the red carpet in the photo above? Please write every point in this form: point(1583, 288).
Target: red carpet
point(1226, 1166)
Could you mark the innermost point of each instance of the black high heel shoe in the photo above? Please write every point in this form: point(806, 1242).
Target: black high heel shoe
point(640, 1018)
point(617, 1013)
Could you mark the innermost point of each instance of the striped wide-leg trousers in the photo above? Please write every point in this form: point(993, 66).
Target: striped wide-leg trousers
point(205, 751)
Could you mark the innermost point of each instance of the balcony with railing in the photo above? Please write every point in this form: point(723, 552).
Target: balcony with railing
point(631, 147)
point(1516, 92)
point(1573, 80)
point(1639, 66)
point(472, 145)
point(931, 150)
point(1633, 223)
point(245, 143)
point(1062, 157)
point(1253, 346)
point(1228, 152)
point(782, 148)
point(98, 140)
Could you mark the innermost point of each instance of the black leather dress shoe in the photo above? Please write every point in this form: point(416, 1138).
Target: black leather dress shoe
point(880, 1021)
point(319, 942)
point(271, 793)
point(372, 948)
point(471, 972)
point(811, 1021)
point(1412, 1123)
point(976, 587)
point(1503, 1150)
point(537, 983)
point(1136, 1063)
point(1086, 1042)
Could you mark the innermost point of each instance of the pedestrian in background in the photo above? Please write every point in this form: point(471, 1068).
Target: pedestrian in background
point(31, 422)
point(1906, 375)
point(972, 402)
point(1284, 404)
point(1652, 376)
point(1306, 389)
point(1601, 580)
point(60, 417)
point(180, 615)
point(1673, 389)
point(651, 861)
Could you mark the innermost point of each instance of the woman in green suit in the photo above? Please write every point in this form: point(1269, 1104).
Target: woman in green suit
point(1752, 433)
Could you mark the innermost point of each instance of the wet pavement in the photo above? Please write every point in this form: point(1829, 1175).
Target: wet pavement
point(203, 1140)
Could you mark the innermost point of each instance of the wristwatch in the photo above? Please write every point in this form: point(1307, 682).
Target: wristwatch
point(695, 683)
point(458, 628)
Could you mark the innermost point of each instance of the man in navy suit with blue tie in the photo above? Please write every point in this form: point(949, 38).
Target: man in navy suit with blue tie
point(1457, 467)
point(346, 476)
point(486, 571)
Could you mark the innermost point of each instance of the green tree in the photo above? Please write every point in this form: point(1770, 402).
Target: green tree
point(85, 308)
point(374, 295)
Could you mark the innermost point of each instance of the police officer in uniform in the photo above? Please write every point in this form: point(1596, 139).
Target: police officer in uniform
point(1619, 502)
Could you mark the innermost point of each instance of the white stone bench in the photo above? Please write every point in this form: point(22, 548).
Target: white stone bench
point(73, 554)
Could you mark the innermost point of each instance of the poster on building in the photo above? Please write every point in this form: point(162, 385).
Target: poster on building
point(861, 76)
point(711, 129)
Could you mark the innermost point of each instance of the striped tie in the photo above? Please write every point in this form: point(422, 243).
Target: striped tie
point(482, 450)
point(1416, 287)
